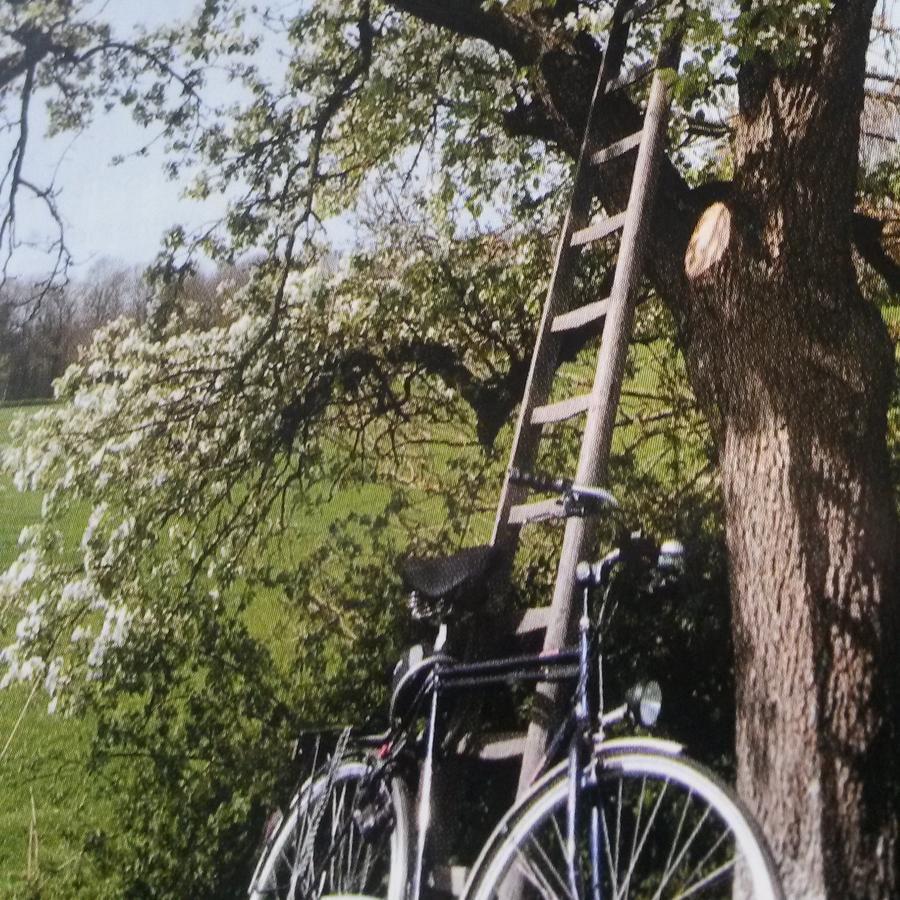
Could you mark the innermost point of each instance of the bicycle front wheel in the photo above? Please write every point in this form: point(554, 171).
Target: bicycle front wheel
point(651, 825)
point(345, 835)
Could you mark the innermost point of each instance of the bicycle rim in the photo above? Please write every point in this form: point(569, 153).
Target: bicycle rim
point(663, 828)
point(345, 836)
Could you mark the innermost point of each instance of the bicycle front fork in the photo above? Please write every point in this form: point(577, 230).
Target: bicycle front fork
point(580, 752)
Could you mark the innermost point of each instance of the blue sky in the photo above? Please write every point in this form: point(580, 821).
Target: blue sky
point(118, 211)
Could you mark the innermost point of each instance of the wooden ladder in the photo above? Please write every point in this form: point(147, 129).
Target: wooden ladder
point(615, 315)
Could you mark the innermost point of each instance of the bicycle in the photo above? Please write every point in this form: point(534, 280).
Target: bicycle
point(605, 817)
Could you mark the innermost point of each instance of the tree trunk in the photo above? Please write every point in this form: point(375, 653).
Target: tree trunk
point(797, 369)
point(814, 731)
point(794, 370)
point(812, 548)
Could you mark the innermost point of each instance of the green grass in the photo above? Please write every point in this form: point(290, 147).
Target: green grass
point(46, 803)
point(46, 789)
point(49, 801)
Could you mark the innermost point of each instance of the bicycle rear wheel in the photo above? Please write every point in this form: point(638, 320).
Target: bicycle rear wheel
point(662, 827)
point(346, 834)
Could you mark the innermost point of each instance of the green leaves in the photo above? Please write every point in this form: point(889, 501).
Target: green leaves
point(401, 238)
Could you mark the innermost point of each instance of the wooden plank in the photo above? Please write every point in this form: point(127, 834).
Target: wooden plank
point(584, 315)
point(632, 76)
point(559, 412)
point(598, 230)
point(533, 620)
point(619, 148)
point(535, 512)
point(500, 747)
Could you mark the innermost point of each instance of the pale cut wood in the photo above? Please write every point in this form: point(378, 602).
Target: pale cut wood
point(502, 747)
point(559, 412)
point(584, 315)
point(619, 148)
point(449, 880)
point(598, 230)
point(709, 240)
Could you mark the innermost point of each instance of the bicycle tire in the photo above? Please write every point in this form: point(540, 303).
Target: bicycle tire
point(346, 834)
point(697, 845)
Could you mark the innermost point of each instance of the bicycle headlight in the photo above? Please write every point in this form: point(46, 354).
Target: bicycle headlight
point(645, 702)
point(671, 557)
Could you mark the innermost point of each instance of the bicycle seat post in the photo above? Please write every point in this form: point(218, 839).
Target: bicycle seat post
point(424, 807)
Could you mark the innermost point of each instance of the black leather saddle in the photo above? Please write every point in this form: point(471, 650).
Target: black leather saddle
point(439, 578)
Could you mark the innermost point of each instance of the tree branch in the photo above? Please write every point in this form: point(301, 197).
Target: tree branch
point(12, 67)
point(469, 18)
point(868, 233)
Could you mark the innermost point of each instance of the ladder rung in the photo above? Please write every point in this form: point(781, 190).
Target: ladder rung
point(501, 746)
point(598, 230)
point(536, 512)
point(532, 620)
point(619, 148)
point(640, 9)
point(632, 76)
point(559, 412)
point(584, 315)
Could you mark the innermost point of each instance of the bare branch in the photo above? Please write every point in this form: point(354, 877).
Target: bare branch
point(470, 18)
point(868, 233)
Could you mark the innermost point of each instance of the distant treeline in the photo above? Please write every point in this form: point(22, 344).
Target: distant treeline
point(43, 331)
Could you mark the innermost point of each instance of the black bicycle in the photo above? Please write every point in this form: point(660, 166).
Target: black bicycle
point(606, 818)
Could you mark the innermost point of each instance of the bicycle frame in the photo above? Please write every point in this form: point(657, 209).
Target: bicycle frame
point(580, 729)
point(572, 795)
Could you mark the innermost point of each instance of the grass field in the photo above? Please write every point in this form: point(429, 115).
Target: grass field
point(49, 802)
point(46, 803)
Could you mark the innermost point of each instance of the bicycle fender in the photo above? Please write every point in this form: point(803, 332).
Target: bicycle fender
point(640, 744)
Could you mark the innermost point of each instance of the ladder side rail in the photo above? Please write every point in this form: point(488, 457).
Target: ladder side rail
point(546, 347)
point(620, 317)
point(597, 442)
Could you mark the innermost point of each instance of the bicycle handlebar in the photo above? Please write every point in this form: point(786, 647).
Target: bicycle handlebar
point(635, 547)
point(571, 492)
point(666, 558)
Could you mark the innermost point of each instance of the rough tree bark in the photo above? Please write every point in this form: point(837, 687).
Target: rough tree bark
point(798, 368)
point(794, 369)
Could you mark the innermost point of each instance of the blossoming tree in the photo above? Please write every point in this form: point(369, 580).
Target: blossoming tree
point(458, 117)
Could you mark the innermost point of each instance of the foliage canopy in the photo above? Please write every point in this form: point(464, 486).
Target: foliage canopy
point(193, 451)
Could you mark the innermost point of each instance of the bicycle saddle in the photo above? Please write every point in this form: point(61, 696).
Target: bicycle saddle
point(435, 577)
